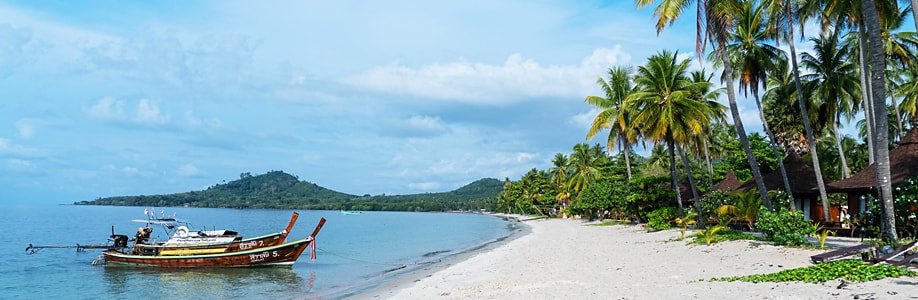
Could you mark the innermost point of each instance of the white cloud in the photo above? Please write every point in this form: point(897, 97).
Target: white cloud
point(425, 122)
point(145, 112)
point(130, 171)
point(108, 109)
point(483, 83)
point(424, 186)
point(148, 113)
point(26, 128)
point(584, 120)
point(194, 122)
point(188, 170)
point(9, 149)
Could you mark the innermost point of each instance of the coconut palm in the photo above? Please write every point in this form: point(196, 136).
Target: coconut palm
point(753, 57)
point(559, 176)
point(878, 93)
point(713, 20)
point(664, 109)
point(784, 16)
point(907, 88)
point(833, 82)
point(585, 167)
point(708, 95)
point(900, 48)
point(613, 115)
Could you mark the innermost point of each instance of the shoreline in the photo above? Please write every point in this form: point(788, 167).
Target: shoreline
point(388, 288)
point(568, 259)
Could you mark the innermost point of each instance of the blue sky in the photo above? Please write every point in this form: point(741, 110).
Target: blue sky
point(124, 98)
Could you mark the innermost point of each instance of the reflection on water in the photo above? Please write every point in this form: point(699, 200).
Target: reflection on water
point(209, 282)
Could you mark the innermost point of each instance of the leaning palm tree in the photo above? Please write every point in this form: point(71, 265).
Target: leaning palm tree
point(613, 116)
point(713, 20)
point(835, 84)
point(664, 109)
point(784, 15)
point(753, 57)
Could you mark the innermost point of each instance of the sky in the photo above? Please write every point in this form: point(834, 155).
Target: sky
point(106, 98)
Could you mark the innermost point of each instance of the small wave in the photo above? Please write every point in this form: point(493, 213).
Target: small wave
point(429, 254)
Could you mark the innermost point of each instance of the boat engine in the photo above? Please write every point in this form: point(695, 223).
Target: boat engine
point(143, 234)
point(119, 241)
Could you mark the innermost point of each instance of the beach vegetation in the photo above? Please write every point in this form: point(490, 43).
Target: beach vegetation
point(784, 227)
point(662, 218)
point(745, 208)
point(850, 270)
point(685, 222)
point(721, 236)
point(822, 235)
point(709, 235)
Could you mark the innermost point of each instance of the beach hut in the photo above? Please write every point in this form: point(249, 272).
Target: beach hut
point(729, 184)
point(903, 164)
point(803, 184)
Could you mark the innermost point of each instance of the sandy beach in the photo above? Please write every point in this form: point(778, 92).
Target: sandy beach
point(560, 258)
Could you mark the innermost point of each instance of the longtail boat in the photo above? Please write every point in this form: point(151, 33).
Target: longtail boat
point(284, 254)
point(168, 248)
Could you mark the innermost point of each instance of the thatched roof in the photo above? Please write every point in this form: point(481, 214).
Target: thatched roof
point(729, 183)
point(903, 164)
point(801, 176)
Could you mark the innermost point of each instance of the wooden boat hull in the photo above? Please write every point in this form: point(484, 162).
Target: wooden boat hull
point(285, 254)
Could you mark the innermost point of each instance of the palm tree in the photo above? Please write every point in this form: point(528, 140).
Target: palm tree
point(907, 88)
point(753, 57)
point(835, 84)
point(878, 92)
point(900, 48)
point(664, 109)
point(713, 21)
point(706, 94)
point(613, 115)
point(584, 163)
point(786, 10)
point(559, 174)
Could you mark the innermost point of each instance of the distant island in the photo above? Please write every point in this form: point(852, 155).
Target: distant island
point(277, 189)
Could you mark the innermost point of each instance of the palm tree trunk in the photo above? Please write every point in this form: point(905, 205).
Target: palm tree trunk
point(878, 78)
point(627, 150)
point(740, 130)
point(707, 159)
point(915, 13)
point(895, 106)
point(865, 88)
point(774, 146)
point(688, 174)
point(845, 172)
point(672, 172)
point(811, 142)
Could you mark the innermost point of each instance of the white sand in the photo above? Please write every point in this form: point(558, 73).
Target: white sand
point(564, 259)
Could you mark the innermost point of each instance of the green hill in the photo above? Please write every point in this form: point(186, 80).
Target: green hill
point(277, 189)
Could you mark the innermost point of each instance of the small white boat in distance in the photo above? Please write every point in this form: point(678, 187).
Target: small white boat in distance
point(351, 212)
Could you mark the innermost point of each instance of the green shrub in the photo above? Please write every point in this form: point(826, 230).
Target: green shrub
point(662, 218)
point(853, 270)
point(713, 200)
point(784, 227)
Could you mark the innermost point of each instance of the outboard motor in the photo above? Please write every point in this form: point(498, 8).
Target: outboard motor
point(143, 234)
point(119, 241)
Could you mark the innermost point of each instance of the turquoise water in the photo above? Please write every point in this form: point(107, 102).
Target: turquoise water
point(355, 252)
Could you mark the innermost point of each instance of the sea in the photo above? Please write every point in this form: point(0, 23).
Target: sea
point(355, 253)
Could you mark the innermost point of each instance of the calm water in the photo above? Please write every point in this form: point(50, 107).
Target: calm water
point(354, 252)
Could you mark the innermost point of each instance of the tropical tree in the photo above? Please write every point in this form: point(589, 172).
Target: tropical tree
point(784, 15)
point(907, 88)
point(833, 82)
point(878, 92)
point(585, 165)
point(664, 109)
point(559, 176)
point(713, 20)
point(705, 93)
point(900, 48)
point(753, 57)
point(613, 116)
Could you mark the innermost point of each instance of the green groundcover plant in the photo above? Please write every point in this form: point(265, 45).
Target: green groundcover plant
point(851, 270)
